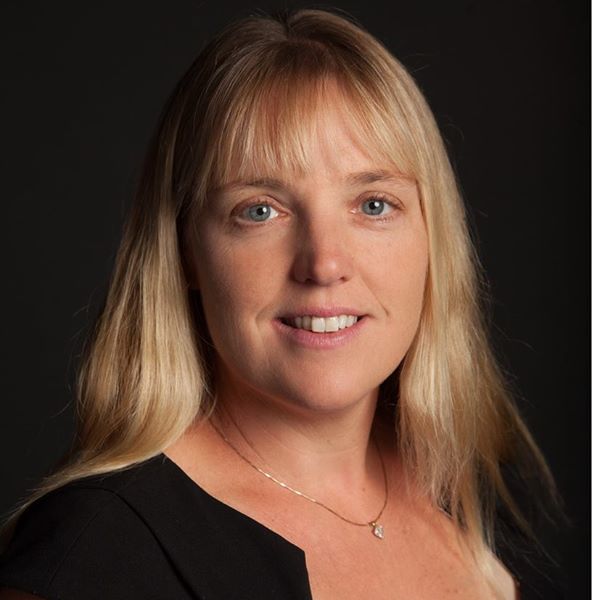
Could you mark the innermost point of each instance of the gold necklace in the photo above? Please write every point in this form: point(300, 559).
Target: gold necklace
point(376, 527)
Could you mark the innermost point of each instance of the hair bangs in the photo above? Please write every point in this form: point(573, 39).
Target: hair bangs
point(272, 123)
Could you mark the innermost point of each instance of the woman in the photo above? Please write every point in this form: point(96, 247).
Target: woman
point(289, 392)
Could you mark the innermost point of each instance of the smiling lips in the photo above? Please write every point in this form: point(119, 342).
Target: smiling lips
point(318, 324)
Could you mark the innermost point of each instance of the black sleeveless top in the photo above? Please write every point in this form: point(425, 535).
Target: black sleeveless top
point(149, 532)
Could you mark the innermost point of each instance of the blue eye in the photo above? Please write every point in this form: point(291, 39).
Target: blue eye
point(375, 206)
point(259, 212)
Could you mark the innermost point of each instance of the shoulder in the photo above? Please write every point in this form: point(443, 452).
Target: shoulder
point(147, 532)
point(83, 540)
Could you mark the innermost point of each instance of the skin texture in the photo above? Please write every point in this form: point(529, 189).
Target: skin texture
point(309, 411)
point(318, 246)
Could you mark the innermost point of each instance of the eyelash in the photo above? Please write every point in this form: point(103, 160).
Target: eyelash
point(379, 197)
point(250, 205)
point(383, 198)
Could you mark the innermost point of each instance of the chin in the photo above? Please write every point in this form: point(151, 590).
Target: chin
point(326, 398)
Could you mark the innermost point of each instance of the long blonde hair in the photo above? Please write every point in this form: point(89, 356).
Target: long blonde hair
point(248, 102)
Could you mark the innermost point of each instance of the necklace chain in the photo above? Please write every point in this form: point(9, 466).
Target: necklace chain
point(376, 527)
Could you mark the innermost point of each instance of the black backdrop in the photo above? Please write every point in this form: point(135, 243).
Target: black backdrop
point(82, 86)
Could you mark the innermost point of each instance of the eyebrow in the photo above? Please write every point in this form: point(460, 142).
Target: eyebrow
point(366, 177)
point(353, 179)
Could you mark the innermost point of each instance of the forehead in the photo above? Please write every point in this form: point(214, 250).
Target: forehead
point(350, 180)
point(321, 129)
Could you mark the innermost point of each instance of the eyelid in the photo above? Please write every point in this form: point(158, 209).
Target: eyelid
point(255, 201)
point(381, 196)
point(265, 200)
point(391, 201)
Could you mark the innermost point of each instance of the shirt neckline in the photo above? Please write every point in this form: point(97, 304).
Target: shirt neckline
point(257, 524)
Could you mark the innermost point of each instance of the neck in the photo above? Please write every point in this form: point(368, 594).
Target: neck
point(323, 452)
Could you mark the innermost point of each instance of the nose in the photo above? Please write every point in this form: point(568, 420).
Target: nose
point(324, 253)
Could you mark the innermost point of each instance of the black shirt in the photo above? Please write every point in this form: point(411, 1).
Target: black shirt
point(150, 532)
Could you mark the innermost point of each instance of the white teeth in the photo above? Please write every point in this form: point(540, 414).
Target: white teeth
point(318, 325)
point(325, 324)
point(332, 323)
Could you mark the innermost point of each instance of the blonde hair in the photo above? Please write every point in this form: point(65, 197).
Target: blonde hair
point(247, 105)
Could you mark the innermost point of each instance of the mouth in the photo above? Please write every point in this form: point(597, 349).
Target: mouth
point(322, 324)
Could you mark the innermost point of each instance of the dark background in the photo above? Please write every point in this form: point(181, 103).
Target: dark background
point(82, 87)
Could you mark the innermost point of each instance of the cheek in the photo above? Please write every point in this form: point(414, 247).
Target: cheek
point(240, 285)
point(403, 280)
point(411, 269)
point(232, 282)
point(415, 266)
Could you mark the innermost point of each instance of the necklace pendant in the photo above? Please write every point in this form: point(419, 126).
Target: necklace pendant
point(377, 530)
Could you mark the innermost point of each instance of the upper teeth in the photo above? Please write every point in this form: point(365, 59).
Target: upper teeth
point(324, 324)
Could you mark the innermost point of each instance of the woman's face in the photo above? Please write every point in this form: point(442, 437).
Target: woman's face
point(346, 237)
